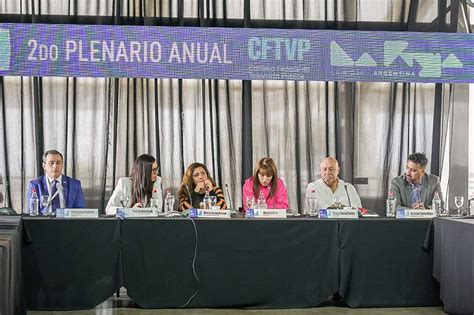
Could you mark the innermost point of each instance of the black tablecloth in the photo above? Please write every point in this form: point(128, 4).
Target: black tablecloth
point(240, 263)
point(383, 263)
point(11, 277)
point(76, 264)
point(70, 263)
point(454, 263)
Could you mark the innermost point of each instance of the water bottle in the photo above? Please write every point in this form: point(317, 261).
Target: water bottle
point(261, 202)
point(436, 204)
point(312, 205)
point(391, 205)
point(206, 200)
point(34, 203)
point(169, 201)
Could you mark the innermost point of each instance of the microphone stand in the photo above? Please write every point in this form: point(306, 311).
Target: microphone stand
point(228, 195)
point(189, 195)
point(347, 193)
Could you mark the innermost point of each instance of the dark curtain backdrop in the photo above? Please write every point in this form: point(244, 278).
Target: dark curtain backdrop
point(101, 125)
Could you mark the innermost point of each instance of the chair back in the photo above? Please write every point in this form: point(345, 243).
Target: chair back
point(7, 211)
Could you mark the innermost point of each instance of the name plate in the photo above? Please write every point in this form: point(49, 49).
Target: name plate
point(266, 213)
point(74, 213)
point(209, 213)
point(346, 213)
point(415, 213)
point(136, 212)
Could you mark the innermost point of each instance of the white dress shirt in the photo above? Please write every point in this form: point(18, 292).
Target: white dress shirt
point(345, 193)
point(122, 193)
point(49, 182)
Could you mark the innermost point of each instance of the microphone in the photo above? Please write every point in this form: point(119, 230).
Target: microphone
point(347, 193)
point(228, 195)
point(189, 195)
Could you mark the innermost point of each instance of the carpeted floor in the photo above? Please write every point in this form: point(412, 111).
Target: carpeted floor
point(124, 306)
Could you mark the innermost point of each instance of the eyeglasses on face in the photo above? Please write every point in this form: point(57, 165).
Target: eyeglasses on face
point(197, 174)
point(155, 170)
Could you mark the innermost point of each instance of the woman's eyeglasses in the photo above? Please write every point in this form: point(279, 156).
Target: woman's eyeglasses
point(155, 170)
point(199, 174)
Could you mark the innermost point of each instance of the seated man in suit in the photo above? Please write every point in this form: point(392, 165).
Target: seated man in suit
point(330, 190)
point(415, 189)
point(64, 191)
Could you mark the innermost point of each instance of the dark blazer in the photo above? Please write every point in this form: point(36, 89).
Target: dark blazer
point(402, 190)
point(73, 195)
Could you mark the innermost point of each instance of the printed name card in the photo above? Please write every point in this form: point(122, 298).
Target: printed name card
point(346, 213)
point(415, 213)
point(77, 213)
point(136, 212)
point(266, 213)
point(209, 213)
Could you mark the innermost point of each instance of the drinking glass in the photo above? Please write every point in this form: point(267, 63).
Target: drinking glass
point(458, 201)
point(45, 204)
point(336, 202)
point(154, 202)
point(213, 200)
point(169, 204)
point(312, 206)
point(124, 198)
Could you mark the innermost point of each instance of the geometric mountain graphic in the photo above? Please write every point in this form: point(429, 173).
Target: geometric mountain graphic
point(452, 62)
point(366, 61)
point(430, 64)
point(393, 49)
point(339, 57)
point(408, 58)
point(4, 49)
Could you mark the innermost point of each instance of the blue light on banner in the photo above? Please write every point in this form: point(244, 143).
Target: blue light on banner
point(233, 53)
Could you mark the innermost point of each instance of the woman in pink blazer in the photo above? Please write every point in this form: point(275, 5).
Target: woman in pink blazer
point(265, 180)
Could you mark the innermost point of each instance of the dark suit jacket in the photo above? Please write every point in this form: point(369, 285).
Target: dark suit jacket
point(73, 195)
point(402, 190)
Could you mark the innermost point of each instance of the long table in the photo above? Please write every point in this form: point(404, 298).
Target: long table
point(387, 262)
point(279, 263)
point(240, 263)
point(70, 264)
point(11, 277)
point(453, 263)
point(289, 263)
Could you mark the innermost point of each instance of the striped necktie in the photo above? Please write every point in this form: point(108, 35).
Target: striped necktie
point(55, 201)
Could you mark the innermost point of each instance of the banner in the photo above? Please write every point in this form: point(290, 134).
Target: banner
point(234, 53)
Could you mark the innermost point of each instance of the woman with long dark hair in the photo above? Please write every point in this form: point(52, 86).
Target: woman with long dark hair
point(196, 182)
point(139, 188)
point(265, 180)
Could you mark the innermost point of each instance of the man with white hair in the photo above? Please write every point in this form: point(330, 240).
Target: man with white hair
point(330, 190)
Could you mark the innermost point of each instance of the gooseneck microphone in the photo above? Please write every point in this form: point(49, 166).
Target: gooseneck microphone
point(228, 195)
point(189, 195)
point(347, 193)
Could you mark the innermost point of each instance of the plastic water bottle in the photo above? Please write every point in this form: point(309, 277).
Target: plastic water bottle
point(34, 203)
point(436, 204)
point(391, 205)
point(169, 201)
point(261, 202)
point(312, 204)
point(206, 200)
